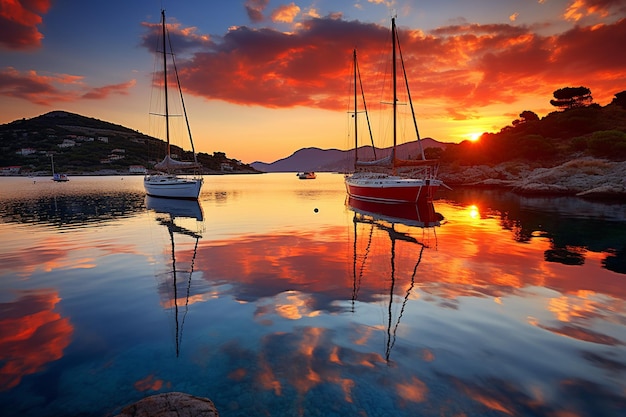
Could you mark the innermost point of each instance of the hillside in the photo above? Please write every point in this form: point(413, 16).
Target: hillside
point(86, 145)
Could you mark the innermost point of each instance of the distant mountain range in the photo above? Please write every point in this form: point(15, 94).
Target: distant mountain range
point(335, 160)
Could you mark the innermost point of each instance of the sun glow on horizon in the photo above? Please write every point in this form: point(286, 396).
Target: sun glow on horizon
point(474, 137)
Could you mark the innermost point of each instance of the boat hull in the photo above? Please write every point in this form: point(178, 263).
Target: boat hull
point(60, 178)
point(307, 175)
point(170, 186)
point(391, 189)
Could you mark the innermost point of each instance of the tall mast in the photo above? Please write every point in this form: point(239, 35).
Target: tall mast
point(167, 113)
point(395, 97)
point(356, 136)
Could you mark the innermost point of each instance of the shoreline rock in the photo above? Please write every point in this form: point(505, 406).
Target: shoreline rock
point(171, 404)
point(585, 177)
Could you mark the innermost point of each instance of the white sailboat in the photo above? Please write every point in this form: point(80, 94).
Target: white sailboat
point(56, 176)
point(167, 182)
point(391, 179)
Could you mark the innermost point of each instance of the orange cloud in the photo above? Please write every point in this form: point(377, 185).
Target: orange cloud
point(285, 13)
point(32, 334)
point(19, 20)
point(578, 9)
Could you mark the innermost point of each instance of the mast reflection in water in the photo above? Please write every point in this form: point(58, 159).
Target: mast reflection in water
point(371, 216)
point(169, 213)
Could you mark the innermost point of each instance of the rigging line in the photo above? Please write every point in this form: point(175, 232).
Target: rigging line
point(357, 283)
point(182, 101)
point(369, 126)
point(408, 91)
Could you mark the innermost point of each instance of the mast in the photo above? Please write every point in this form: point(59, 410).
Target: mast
point(356, 136)
point(167, 114)
point(395, 94)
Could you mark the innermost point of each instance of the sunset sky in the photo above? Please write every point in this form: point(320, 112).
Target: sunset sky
point(264, 78)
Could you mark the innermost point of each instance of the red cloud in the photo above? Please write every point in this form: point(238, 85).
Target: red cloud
point(19, 21)
point(470, 66)
point(104, 92)
point(45, 90)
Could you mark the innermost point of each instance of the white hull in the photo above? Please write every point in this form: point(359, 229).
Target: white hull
point(172, 186)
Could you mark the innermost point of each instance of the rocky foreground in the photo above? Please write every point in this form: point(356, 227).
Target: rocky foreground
point(171, 404)
point(584, 177)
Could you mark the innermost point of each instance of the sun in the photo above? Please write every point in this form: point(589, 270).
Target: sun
point(474, 137)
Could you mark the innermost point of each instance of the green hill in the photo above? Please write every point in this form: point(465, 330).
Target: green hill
point(86, 145)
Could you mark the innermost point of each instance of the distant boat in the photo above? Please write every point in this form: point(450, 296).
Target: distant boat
point(57, 177)
point(307, 175)
point(168, 182)
point(391, 179)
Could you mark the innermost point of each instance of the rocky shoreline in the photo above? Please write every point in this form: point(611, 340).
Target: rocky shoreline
point(584, 177)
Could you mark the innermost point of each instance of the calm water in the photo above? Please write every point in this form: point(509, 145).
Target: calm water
point(286, 301)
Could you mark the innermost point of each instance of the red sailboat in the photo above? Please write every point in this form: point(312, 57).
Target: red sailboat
point(391, 179)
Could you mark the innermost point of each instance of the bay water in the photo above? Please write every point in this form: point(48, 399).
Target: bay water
point(275, 296)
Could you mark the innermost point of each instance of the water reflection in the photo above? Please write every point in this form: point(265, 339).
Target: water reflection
point(386, 218)
point(80, 206)
point(573, 226)
point(347, 310)
point(32, 335)
point(175, 283)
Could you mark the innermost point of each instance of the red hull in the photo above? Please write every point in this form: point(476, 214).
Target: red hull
point(394, 194)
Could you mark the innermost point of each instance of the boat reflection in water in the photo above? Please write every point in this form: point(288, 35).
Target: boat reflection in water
point(400, 223)
point(179, 216)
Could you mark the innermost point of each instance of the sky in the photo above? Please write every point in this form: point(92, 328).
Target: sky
point(264, 78)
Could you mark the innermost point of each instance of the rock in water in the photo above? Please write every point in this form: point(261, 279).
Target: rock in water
point(171, 404)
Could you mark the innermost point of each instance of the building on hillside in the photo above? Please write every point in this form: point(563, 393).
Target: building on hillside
point(26, 151)
point(67, 143)
point(137, 169)
point(12, 170)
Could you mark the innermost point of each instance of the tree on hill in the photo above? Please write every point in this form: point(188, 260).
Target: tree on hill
point(571, 97)
point(525, 117)
point(620, 99)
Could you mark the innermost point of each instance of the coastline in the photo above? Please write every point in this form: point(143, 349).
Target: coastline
point(586, 177)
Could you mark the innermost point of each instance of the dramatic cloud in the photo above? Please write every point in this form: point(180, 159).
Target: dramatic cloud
point(56, 88)
point(18, 23)
point(469, 65)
